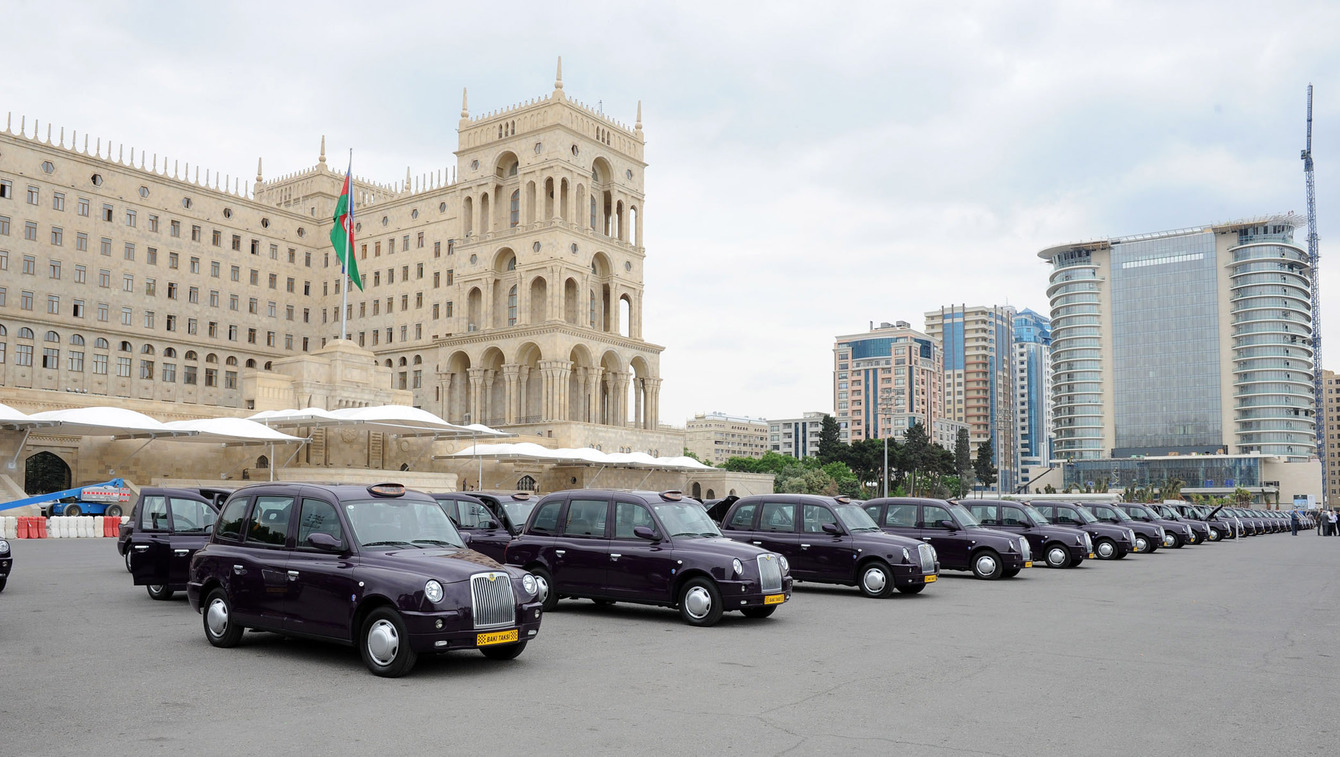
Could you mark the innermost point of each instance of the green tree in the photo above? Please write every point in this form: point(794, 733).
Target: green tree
point(985, 464)
point(962, 459)
point(830, 440)
point(801, 480)
point(918, 454)
point(846, 481)
point(689, 453)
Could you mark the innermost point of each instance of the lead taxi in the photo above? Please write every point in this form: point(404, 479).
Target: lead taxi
point(653, 548)
point(377, 567)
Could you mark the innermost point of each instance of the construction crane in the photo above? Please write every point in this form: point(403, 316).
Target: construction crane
point(1314, 259)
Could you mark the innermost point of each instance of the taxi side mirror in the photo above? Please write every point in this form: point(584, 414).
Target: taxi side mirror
point(832, 529)
point(949, 524)
point(644, 532)
point(492, 524)
point(465, 537)
point(324, 542)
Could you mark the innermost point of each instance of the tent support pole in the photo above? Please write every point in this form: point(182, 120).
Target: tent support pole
point(426, 450)
point(112, 471)
point(14, 464)
point(644, 478)
point(587, 484)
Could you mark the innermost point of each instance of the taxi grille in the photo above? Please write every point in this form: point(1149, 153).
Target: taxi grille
point(769, 573)
point(492, 603)
point(1023, 548)
point(927, 556)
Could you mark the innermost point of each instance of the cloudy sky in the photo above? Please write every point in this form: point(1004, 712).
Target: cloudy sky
point(813, 167)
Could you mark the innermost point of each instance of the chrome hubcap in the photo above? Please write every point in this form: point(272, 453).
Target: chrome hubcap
point(698, 602)
point(383, 642)
point(1105, 549)
point(986, 565)
point(874, 580)
point(542, 589)
point(1168, 541)
point(217, 617)
point(155, 588)
point(1056, 556)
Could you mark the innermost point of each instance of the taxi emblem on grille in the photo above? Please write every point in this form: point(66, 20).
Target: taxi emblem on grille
point(492, 576)
point(767, 557)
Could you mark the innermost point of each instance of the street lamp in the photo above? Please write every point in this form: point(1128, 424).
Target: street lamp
point(886, 413)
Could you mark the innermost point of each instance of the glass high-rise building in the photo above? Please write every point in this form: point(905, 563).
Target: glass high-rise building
point(1032, 380)
point(1197, 341)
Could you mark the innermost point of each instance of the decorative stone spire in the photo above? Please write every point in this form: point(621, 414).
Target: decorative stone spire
point(637, 129)
point(558, 81)
point(323, 150)
point(465, 102)
point(259, 179)
point(407, 178)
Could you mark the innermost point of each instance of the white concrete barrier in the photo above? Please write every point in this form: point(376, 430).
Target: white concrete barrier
point(9, 526)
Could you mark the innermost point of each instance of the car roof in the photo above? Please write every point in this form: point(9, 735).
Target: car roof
point(338, 491)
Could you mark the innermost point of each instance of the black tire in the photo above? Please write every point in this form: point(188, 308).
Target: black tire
point(503, 651)
point(73, 511)
point(2, 582)
point(1142, 544)
point(113, 511)
point(160, 592)
point(911, 589)
point(700, 602)
point(1106, 549)
point(383, 643)
point(986, 565)
point(1057, 556)
point(1010, 572)
point(127, 558)
point(1120, 555)
point(545, 581)
point(759, 612)
point(220, 628)
point(874, 579)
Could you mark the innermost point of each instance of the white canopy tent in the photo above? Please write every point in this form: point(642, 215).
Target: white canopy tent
point(116, 422)
point(531, 452)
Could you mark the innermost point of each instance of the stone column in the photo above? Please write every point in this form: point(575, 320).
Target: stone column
point(486, 403)
point(475, 407)
point(637, 402)
point(524, 410)
point(511, 373)
point(652, 386)
point(618, 405)
point(444, 386)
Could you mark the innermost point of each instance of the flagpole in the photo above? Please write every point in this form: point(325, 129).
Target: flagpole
point(349, 249)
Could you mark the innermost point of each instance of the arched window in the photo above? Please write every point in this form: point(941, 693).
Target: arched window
point(593, 212)
point(403, 362)
point(147, 349)
point(3, 331)
point(76, 340)
point(516, 203)
point(511, 264)
point(52, 336)
point(125, 347)
point(526, 484)
point(251, 363)
point(593, 309)
point(511, 306)
point(418, 359)
point(190, 355)
point(211, 358)
point(25, 333)
point(232, 360)
point(100, 344)
point(268, 364)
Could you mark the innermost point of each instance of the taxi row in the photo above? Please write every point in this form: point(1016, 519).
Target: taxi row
point(397, 573)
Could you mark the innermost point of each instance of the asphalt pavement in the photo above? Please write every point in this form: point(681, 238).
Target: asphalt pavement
point(1224, 649)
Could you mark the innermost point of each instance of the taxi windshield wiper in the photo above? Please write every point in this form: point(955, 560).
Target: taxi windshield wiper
point(438, 542)
point(391, 543)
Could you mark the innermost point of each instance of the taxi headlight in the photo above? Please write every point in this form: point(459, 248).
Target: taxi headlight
point(433, 591)
point(739, 566)
point(4, 547)
point(528, 584)
point(786, 566)
point(907, 556)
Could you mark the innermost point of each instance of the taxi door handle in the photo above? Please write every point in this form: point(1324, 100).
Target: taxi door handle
point(925, 538)
point(757, 543)
point(180, 552)
point(615, 556)
point(293, 575)
point(239, 570)
point(804, 546)
point(560, 552)
point(141, 547)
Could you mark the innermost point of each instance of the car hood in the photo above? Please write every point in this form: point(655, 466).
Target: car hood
point(883, 539)
point(447, 564)
point(1106, 529)
point(987, 533)
point(718, 545)
point(1059, 532)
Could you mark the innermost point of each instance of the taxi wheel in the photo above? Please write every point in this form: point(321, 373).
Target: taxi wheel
point(1141, 543)
point(1058, 556)
point(2, 583)
point(986, 565)
point(545, 582)
point(385, 644)
point(128, 559)
point(505, 652)
point(911, 588)
point(759, 612)
point(159, 591)
point(1173, 541)
point(220, 629)
point(1106, 549)
point(876, 580)
point(700, 602)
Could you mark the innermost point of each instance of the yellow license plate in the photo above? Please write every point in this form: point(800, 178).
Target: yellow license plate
point(931, 579)
point(774, 599)
point(1028, 564)
point(1091, 556)
point(496, 637)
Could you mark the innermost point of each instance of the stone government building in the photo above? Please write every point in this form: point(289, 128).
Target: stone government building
point(508, 291)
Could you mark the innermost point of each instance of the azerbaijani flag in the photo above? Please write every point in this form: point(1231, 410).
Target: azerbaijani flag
point(342, 233)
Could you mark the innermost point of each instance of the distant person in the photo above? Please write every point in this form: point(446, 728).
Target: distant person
point(1330, 522)
point(1293, 522)
point(1319, 518)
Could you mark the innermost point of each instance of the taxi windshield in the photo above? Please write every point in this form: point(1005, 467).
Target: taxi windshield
point(518, 512)
point(855, 519)
point(685, 519)
point(964, 518)
point(1084, 515)
point(1140, 511)
point(1035, 516)
point(1121, 514)
point(400, 524)
point(1169, 513)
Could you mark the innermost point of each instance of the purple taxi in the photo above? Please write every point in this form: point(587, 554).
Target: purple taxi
point(376, 567)
point(655, 548)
